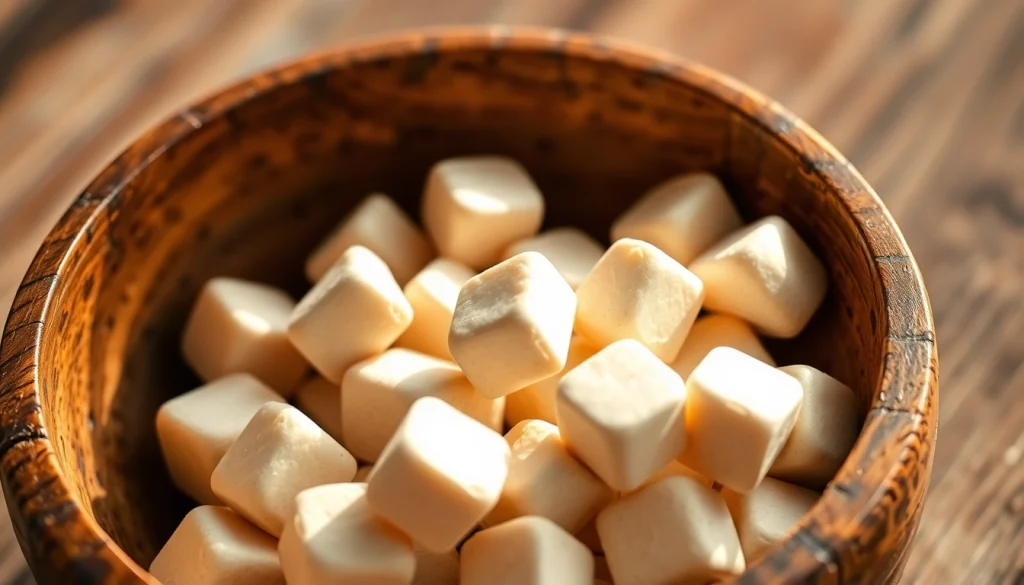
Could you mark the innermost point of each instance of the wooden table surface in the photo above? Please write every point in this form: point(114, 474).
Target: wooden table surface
point(926, 97)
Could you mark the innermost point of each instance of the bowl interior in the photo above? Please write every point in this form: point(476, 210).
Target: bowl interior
point(252, 180)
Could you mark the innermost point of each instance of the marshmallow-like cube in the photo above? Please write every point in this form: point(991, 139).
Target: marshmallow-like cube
point(622, 413)
point(378, 224)
point(433, 294)
point(355, 311)
point(376, 395)
point(530, 550)
point(196, 429)
point(682, 216)
point(545, 480)
point(767, 514)
point(537, 401)
point(213, 545)
point(436, 568)
point(474, 207)
point(713, 331)
point(572, 251)
point(240, 326)
point(766, 275)
point(512, 325)
point(280, 453)
point(636, 291)
point(334, 537)
point(825, 430)
point(739, 413)
point(320, 400)
point(674, 531)
point(440, 474)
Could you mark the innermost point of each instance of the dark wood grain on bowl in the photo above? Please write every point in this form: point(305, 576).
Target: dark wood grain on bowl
point(246, 182)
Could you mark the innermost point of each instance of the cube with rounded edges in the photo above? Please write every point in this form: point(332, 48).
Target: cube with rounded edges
point(512, 325)
point(440, 474)
point(767, 514)
point(622, 413)
point(240, 326)
point(676, 530)
point(739, 413)
point(378, 224)
point(682, 216)
point(545, 480)
point(537, 401)
point(824, 433)
point(214, 545)
point(433, 294)
point(530, 550)
point(334, 537)
point(280, 453)
point(355, 311)
point(475, 206)
point(766, 275)
point(571, 250)
point(376, 395)
point(636, 291)
point(436, 568)
point(713, 331)
point(196, 429)
point(320, 400)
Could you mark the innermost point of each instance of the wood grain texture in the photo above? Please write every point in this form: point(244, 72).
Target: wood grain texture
point(926, 97)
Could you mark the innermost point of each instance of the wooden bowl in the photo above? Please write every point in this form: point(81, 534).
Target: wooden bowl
point(248, 181)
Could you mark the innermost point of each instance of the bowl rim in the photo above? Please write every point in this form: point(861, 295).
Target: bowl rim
point(854, 520)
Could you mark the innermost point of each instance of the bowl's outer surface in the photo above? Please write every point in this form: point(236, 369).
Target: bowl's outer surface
point(246, 182)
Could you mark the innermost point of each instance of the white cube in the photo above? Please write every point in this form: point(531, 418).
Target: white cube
point(767, 514)
point(320, 400)
point(537, 401)
point(622, 413)
point(682, 216)
point(213, 546)
point(377, 393)
point(545, 480)
point(436, 568)
point(196, 429)
point(439, 476)
point(355, 311)
point(512, 325)
point(240, 326)
point(636, 291)
point(673, 531)
point(335, 538)
point(739, 413)
point(572, 251)
point(766, 275)
point(474, 207)
point(433, 294)
point(713, 331)
point(528, 550)
point(280, 453)
point(378, 224)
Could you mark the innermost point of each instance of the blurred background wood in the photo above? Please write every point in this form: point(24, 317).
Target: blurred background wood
point(926, 97)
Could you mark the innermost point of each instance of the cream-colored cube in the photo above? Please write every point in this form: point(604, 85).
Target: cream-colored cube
point(572, 251)
point(378, 224)
point(537, 401)
point(739, 413)
point(440, 474)
point(215, 546)
point(196, 429)
point(320, 400)
point(636, 291)
point(766, 275)
point(436, 568)
point(474, 207)
point(355, 311)
point(545, 480)
point(621, 412)
point(530, 550)
point(767, 514)
point(240, 326)
point(334, 537)
point(825, 430)
point(682, 216)
point(377, 393)
point(433, 294)
point(280, 453)
point(362, 474)
point(674, 531)
point(512, 325)
point(713, 331)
